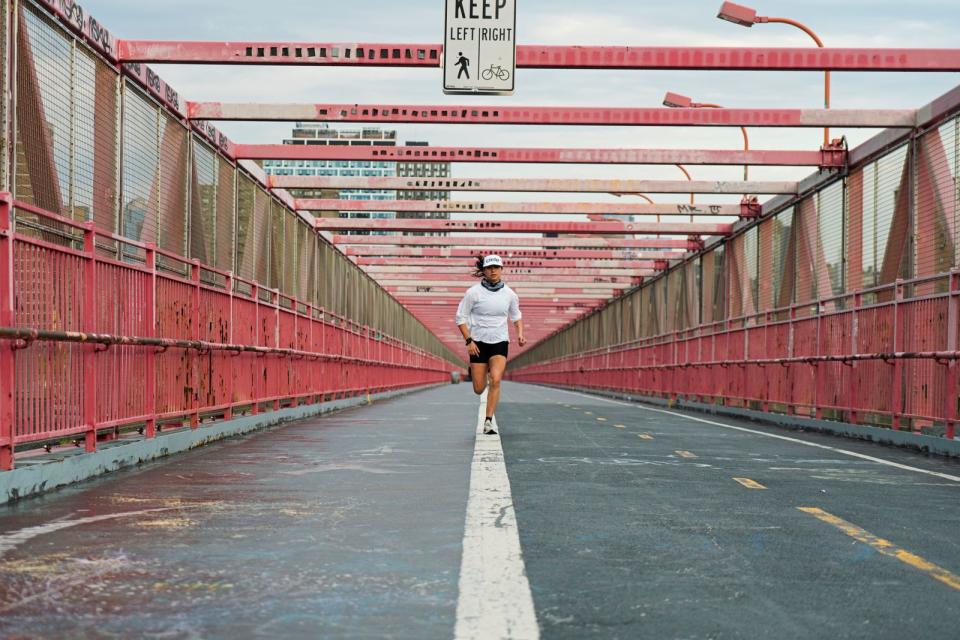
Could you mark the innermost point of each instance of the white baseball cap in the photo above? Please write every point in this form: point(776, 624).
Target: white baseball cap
point(492, 261)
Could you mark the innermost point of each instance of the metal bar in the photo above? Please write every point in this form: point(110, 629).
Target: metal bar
point(534, 115)
point(387, 267)
point(577, 208)
point(501, 242)
point(462, 277)
point(528, 155)
point(88, 322)
point(460, 282)
point(547, 254)
point(525, 291)
point(548, 185)
point(498, 226)
point(510, 263)
point(7, 362)
point(544, 57)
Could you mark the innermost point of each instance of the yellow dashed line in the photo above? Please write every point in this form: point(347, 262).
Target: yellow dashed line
point(750, 484)
point(685, 454)
point(645, 436)
point(886, 547)
point(601, 419)
point(589, 413)
point(620, 426)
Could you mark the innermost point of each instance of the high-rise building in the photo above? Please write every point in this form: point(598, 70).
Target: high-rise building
point(315, 133)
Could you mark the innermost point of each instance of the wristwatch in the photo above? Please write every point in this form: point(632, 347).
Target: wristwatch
point(469, 340)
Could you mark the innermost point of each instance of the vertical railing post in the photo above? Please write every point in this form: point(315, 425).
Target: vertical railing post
point(275, 301)
point(257, 340)
point(897, 391)
point(195, 335)
point(88, 322)
point(7, 368)
point(791, 336)
point(818, 368)
point(853, 390)
point(228, 371)
point(150, 331)
point(953, 328)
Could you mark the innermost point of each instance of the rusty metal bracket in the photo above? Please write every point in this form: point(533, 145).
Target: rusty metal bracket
point(834, 156)
point(750, 207)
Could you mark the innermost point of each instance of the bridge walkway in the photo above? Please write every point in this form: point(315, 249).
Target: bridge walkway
point(632, 521)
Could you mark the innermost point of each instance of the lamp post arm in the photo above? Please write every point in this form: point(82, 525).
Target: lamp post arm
point(826, 74)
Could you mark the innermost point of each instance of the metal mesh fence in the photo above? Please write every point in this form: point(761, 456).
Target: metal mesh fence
point(203, 203)
point(141, 153)
point(936, 205)
point(174, 168)
point(246, 239)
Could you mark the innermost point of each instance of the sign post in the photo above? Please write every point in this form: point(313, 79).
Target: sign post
point(480, 46)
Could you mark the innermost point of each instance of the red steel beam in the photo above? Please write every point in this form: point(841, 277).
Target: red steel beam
point(465, 278)
point(387, 269)
point(558, 301)
point(572, 208)
point(529, 155)
point(609, 116)
point(500, 242)
point(544, 57)
point(509, 263)
point(549, 254)
point(522, 288)
point(500, 226)
point(535, 185)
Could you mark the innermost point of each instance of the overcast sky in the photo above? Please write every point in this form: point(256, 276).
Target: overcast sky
point(840, 23)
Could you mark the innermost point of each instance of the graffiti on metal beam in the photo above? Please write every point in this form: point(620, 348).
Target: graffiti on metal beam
point(713, 209)
point(74, 15)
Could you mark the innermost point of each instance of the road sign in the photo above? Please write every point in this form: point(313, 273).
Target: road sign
point(480, 46)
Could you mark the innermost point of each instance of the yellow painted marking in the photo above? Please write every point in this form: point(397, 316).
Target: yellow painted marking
point(750, 484)
point(601, 419)
point(620, 426)
point(589, 413)
point(886, 547)
point(685, 454)
point(646, 436)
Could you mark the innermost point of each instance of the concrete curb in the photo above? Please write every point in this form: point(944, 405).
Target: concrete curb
point(881, 435)
point(43, 477)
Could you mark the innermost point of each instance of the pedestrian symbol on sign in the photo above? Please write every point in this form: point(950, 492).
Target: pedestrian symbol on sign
point(463, 63)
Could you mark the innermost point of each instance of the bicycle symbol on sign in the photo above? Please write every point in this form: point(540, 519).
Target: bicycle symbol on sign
point(495, 70)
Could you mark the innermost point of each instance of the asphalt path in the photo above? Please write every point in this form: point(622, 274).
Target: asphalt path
point(633, 522)
point(641, 523)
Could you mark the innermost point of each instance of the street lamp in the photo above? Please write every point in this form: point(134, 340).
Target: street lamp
point(677, 101)
point(747, 17)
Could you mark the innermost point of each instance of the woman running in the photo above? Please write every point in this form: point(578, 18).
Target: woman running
point(482, 319)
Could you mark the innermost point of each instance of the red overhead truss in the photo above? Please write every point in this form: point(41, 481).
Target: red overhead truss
point(616, 187)
point(511, 263)
point(578, 208)
point(531, 115)
point(500, 242)
point(498, 226)
point(532, 155)
point(387, 267)
point(545, 57)
point(543, 254)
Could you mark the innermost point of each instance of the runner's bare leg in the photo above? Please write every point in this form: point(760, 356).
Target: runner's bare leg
point(478, 375)
point(497, 366)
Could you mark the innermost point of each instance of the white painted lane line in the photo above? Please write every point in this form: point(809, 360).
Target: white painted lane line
point(845, 452)
point(495, 599)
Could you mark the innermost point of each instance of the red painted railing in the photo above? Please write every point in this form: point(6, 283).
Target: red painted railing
point(90, 343)
point(883, 356)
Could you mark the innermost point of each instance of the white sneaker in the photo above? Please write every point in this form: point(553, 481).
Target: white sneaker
point(488, 428)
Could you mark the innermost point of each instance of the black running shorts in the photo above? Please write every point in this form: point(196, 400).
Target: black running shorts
point(488, 350)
